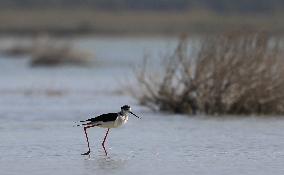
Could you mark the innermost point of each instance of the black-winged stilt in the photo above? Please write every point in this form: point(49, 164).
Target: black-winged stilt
point(110, 120)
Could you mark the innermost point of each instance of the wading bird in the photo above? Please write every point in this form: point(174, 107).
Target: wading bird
point(110, 120)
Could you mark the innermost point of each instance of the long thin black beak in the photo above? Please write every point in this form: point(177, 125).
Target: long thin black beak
point(134, 114)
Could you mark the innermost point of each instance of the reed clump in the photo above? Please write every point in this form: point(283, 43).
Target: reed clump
point(16, 50)
point(233, 73)
point(47, 51)
point(49, 55)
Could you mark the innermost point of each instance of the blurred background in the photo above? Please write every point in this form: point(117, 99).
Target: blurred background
point(63, 17)
point(63, 61)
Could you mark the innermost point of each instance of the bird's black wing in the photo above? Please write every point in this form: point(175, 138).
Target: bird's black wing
point(104, 117)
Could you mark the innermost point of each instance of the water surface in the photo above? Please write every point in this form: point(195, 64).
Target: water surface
point(38, 107)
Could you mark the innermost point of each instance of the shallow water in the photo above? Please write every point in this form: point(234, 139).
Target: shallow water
point(38, 137)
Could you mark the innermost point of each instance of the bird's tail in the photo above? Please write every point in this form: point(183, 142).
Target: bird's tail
point(83, 123)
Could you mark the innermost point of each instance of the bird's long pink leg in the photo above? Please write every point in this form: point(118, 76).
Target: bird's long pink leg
point(103, 144)
point(85, 129)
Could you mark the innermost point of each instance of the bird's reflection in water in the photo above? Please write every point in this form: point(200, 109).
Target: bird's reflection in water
point(100, 163)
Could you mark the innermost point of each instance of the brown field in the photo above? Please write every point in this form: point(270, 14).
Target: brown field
point(82, 21)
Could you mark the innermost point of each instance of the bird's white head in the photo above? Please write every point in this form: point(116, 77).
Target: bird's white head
point(127, 109)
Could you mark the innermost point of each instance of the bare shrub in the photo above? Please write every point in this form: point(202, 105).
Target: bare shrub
point(48, 52)
point(236, 73)
point(51, 56)
point(16, 50)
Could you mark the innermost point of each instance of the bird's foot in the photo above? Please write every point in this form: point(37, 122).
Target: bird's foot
point(105, 152)
point(104, 149)
point(87, 153)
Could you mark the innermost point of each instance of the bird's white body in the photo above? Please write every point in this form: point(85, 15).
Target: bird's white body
point(120, 120)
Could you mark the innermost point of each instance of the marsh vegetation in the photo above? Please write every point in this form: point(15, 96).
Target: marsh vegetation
point(46, 51)
point(231, 73)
